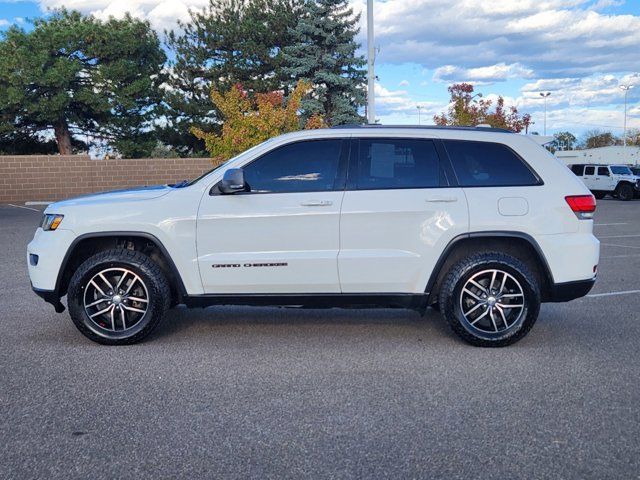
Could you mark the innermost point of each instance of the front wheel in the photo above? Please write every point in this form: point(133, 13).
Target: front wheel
point(490, 299)
point(118, 297)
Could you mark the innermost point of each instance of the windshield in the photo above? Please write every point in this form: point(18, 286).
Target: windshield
point(196, 180)
point(621, 170)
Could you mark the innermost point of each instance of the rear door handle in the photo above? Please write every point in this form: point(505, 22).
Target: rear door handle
point(317, 203)
point(442, 199)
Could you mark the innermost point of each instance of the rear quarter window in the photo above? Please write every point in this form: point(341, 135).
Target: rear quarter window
point(488, 164)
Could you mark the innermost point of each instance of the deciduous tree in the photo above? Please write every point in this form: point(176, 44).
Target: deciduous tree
point(469, 109)
point(252, 119)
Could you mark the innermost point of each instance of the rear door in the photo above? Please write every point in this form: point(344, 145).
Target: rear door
point(605, 179)
point(398, 214)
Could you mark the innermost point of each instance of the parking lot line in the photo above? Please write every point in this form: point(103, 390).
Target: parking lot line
point(20, 206)
point(621, 256)
point(619, 236)
point(616, 245)
point(609, 294)
point(608, 224)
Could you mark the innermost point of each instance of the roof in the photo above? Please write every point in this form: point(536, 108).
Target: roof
point(425, 127)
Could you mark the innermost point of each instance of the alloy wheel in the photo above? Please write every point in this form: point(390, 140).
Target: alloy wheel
point(492, 301)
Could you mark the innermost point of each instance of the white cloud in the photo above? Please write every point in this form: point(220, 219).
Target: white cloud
point(553, 38)
point(481, 75)
point(162, 14)
point(404, 83)
point(4, 22)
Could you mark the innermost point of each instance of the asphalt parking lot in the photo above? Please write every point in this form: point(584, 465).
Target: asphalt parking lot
point(284, 393)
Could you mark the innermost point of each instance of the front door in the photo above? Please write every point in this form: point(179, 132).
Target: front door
point(398, 215)
point(282, 234)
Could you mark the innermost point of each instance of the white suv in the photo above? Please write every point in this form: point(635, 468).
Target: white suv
point(616, 180)
point(479, 223)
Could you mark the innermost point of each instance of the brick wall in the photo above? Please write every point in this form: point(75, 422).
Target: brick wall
point(48, 178)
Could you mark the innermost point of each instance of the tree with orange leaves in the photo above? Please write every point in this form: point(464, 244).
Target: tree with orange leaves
point(252, 119)
point(465, 110)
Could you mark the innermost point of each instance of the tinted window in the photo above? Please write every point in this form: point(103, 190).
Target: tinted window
point(396, 163)
point(603, 171)
point(621, 170)
point(310, 166)
point(589, 170)
point(484, 164)
point(577, 169)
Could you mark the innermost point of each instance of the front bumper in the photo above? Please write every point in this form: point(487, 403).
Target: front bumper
point(50, 296)
point(564, 292)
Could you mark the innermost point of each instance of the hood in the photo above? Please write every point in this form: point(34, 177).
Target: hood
point(116, 196)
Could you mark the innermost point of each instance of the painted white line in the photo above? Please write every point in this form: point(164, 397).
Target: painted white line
point(609, 294)
point(38, 203)
point(621, 246)
point(621, 256)
point(26, 208)
point(619, 236)
point(608, 224)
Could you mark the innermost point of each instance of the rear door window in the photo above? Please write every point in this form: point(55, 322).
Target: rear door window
point(488, 164)
point(387, 163)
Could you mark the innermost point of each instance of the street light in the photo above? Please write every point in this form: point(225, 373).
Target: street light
point(419, 107)
point(545, 95)
point(626, 89)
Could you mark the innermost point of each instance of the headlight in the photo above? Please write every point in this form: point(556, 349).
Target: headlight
point(50, 221)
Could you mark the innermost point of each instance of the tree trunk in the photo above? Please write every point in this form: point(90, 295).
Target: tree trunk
point(63, 137)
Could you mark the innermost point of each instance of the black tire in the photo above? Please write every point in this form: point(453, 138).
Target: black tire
point(452, 300)
point(625, 192)
point(599, 195)
point(150, 281)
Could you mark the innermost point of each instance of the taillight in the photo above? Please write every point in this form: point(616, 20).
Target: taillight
point(582, 205)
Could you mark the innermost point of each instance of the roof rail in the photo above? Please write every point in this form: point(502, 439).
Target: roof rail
point(426, 127)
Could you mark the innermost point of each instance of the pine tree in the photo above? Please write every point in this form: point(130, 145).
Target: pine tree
point(229, 42)
point(323, 53)
point(73, 75)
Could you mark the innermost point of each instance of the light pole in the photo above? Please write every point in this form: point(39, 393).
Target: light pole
point(626, 89)
point(545, 95)
point(419, 107)
point(371, 76)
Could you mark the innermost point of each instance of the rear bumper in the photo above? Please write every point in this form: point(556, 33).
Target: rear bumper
point(564, 292)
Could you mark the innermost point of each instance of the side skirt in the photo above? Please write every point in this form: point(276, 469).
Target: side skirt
point(319, 300)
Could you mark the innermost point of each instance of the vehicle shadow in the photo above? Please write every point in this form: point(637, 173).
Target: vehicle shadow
point(227, 319)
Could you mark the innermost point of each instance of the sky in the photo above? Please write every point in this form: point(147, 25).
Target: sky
point(579, 50)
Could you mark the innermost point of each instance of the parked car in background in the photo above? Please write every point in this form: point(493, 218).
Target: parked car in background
point(616, 180)
point(479, 223)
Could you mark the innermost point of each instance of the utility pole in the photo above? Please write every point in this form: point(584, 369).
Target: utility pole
point(626, 89)
point(545, 95)
point(371, 107)
point(419, 107)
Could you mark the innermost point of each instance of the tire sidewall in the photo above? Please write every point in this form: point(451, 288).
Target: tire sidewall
point(75, 300)
point(453, 313)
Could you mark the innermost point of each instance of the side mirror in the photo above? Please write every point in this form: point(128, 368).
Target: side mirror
point(232, 181)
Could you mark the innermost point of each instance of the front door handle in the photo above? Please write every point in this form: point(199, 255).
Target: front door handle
point(317, 203)
point(442, 199)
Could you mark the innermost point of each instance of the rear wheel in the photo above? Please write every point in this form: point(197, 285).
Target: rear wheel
point(599, 195)
point(624, 192)
point(490, 299)
point(118, 297)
